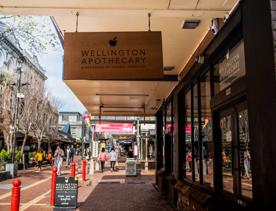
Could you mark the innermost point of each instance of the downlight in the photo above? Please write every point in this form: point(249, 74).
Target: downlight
point(190, 24)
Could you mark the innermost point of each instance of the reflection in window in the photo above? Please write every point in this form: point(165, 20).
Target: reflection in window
point(196, 133)
point(226, 138)
point(169, 118)
point(230, 68)
point(188, 138)
point(207, 139)
point(245, 155)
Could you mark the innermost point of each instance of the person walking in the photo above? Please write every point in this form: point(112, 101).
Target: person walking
point(72, 153)
point(102, 159)
point(113, 159)
point(67, 155)
point(59, 154)
point(39, 159)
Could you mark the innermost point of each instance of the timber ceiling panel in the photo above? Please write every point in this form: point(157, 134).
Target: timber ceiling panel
point(129, 15)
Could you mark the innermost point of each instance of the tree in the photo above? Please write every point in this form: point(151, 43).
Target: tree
point(31, 99)
point(6, 114)
point(44, 115)
point(32, 34)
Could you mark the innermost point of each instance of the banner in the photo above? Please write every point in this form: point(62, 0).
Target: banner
point(114, 127)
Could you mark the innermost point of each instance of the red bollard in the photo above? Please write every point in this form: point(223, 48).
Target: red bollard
point(15, 198)
point(83, 170)
point(53, 186)
point(73, 169)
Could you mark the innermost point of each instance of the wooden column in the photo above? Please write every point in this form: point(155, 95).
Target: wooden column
point(261, 94)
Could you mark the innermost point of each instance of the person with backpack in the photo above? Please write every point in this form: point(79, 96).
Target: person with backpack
point(102, 158)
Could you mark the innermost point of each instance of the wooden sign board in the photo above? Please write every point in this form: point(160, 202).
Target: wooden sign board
point(113, 55)
point(66, 192)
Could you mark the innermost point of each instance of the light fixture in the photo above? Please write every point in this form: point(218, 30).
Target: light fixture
point(19, 64)
point(168, 68)
point(190, 24)
point(199, 59)
point(122, 94)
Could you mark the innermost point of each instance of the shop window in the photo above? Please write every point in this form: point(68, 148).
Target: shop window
point(226, 138)
point(188, 137)
point(196, 133)
point(168, 139)
point(206, 124)
point(245, 155)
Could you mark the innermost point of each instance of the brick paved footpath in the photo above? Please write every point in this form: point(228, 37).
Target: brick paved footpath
point(102, 191)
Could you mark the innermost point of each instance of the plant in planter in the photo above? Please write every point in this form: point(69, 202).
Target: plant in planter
point(6, 157)
point(32, 157)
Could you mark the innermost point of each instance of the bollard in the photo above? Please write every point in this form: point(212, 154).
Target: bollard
point(15, 198)
point(73, 169)
point(53, 186)
point(83, 170)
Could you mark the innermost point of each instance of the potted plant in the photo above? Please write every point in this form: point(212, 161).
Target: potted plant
point(6, 156)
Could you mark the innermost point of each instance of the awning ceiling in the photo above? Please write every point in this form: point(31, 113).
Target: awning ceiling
point(129, 15)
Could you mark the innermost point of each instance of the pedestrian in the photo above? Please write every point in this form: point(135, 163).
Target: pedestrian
point(39, 159)
point(50, 158)
point(59, 154)
point(72, 153)
point(113, 159)
point(189, 159)
point(130, 153)
point(102, 158)
point(67, 155)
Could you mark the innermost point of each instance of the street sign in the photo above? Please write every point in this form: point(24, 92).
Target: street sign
point(66, 195)
point(95, 149)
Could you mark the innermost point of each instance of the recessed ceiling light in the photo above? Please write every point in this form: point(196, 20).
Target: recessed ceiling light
point(168, 68)
point(190, 24)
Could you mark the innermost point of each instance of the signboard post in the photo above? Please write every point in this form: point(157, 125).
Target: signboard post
point(113, 56)
point(66, 195)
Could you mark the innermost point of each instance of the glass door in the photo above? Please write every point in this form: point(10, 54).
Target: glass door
point(235, 152)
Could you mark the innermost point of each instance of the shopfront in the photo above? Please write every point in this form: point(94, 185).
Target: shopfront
point(217, 163)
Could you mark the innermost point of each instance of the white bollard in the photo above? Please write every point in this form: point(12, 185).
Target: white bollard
point(91, 169)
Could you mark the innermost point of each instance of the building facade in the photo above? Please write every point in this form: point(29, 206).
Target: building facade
point(17, 68)
point(75, 120)
point(216, 130)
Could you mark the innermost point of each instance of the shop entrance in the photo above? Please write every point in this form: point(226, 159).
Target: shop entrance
point(233, 133)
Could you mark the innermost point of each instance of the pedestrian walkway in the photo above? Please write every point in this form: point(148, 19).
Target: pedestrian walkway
point(114, 191)
point(102, 191)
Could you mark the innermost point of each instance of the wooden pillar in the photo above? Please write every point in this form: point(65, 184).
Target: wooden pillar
point(261, 94)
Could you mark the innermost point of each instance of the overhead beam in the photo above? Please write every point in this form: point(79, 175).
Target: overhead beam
point(53, 11)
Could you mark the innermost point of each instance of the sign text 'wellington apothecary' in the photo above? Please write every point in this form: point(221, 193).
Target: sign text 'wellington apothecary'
point(113, 55)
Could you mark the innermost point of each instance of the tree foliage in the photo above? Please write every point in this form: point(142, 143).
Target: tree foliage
point(34, 34)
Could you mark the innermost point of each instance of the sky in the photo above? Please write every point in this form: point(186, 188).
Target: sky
point(52, 62)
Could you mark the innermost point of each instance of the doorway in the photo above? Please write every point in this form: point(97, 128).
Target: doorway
point(233, 133)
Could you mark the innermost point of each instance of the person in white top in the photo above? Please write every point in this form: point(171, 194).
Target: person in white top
point(113, 159)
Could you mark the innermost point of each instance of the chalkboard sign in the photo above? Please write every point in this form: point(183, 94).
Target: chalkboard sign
point(66, 192)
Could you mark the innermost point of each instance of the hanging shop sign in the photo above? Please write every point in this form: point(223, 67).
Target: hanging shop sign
point(232, 67)
point(114, 127)
point(112, 55)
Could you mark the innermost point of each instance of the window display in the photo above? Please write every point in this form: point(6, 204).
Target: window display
point(207, 138)
point(245, 155)
point(188, 139)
